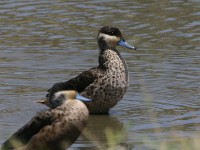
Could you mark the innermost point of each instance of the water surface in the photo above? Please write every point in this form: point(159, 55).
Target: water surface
point(44, 42)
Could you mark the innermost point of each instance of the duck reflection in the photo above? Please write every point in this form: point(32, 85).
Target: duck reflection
point(104, 132)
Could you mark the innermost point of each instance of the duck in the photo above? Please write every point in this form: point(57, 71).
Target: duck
point(105, 84)
point(52, 129)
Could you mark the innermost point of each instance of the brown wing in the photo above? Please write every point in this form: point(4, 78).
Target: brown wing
point(24, 134)
point(78, 83)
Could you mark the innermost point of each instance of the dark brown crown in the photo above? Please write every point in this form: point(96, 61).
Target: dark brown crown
point(110, 31)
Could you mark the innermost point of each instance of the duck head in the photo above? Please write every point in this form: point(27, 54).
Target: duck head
point(62, 96)
point(109, 37)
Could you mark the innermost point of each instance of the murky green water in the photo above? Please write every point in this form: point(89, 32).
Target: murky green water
point(44, 42)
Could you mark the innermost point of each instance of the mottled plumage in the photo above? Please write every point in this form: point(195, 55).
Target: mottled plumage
point(105, 84)
point(54, 129)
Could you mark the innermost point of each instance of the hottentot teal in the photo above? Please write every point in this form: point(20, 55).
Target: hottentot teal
point(105, 84)
point(54, 129)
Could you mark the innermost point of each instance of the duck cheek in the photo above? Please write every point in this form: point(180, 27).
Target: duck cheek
point(112, 42)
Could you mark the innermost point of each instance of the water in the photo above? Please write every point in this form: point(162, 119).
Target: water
point(44, 42)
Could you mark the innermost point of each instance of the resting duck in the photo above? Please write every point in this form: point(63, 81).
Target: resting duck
point(54, 129)
point(105, 84)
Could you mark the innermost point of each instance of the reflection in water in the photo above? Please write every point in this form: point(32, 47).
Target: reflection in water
point(104, 132)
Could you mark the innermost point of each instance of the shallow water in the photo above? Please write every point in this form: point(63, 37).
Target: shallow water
point(44, 42)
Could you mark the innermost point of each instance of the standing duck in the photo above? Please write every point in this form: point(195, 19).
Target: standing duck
point(105, 84)
point(54, 129)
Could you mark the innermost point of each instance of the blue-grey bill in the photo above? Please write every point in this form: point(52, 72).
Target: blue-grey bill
point(80, 97)
point(123, 43)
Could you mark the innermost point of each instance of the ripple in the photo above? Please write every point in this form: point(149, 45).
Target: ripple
point(44, 42)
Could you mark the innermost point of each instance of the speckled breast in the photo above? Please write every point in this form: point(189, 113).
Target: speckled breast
point(111, 84)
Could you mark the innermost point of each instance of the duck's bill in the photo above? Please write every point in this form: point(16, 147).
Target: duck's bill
point(42, 101)
point(80, 97)
point(123, 43)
